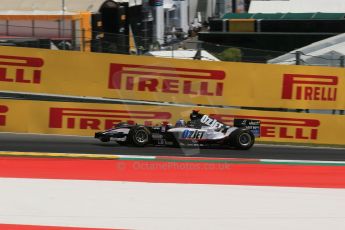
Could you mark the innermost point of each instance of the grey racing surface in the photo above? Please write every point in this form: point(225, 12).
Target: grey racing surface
point(89, 145)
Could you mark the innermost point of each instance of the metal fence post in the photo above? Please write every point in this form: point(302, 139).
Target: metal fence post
point(83, 39)
point(7, 28)
point(298, 57)
point(63, 25)
point(342, 61)
point(234, 6)
point(198, 54)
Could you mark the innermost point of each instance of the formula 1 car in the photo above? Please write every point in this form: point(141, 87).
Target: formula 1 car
point(201, 130)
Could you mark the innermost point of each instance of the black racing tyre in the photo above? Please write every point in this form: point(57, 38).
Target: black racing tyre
point(122, 143)
point(105, 139)
point(175, 142)
point(170, 137)
point(139, 136)
point(242, 139)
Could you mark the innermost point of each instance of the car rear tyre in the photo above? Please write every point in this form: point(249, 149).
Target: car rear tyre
point(243, 139)
point(139, 136)
point(122, 143)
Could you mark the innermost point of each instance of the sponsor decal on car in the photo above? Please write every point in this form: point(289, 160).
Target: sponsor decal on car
point(20, 69)
point(143, 78)
point(193, 134)
point(98, 119)
point(277, 127)
point(310, 87)
point(3, 111)
point(213, 123)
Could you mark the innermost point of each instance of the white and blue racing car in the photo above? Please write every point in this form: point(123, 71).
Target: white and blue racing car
point(201, 130)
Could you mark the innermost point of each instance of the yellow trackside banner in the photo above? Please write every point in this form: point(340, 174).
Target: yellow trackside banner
point(170, 80)
point(87, 118)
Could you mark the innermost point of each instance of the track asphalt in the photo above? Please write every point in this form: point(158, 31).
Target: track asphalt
point(89, 145)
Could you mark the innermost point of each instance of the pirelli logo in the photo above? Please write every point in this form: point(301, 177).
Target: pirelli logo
point(3, 111)
point(96, 119)
point(285, 128)
point(310, 87)
point(18, 69)
point(142, 78)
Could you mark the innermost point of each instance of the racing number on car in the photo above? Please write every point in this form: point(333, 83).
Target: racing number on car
point(193, 134)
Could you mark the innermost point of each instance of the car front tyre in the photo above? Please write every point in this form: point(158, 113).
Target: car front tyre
point(105, 139)
point(139, 136)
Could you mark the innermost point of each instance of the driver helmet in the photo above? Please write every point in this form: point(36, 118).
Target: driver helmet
point(180, 123)
point(194, 115)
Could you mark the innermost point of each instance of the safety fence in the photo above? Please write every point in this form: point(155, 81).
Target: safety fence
point(83, 38)
point(24, 116)
point(92, 40)
point(175, 81)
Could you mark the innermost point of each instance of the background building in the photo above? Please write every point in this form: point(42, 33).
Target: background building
point(98, 25)
point(273, 28)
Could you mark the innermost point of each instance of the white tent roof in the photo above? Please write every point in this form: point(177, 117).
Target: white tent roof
point(168, 4)
point(325, 6)
point(56, 5)
point(326, 52)
point(183, 54)
point(297, 6)
point(269, 6)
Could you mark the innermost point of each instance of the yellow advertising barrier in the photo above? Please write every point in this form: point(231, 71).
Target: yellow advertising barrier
point(87, 118)
point(170, 80)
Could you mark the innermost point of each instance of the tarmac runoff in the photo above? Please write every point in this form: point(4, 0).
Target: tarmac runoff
point(137, 205)
point(79, 191)
point(186, 170)
point(38, 227)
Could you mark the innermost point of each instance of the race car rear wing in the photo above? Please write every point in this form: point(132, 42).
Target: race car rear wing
point(252, 125)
